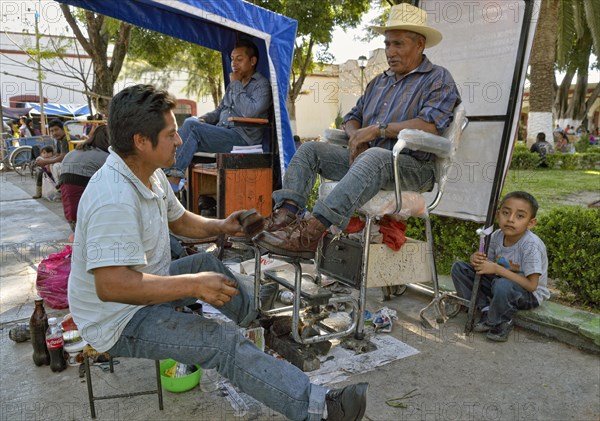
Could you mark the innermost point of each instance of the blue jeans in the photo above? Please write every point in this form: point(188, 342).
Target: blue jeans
point(372, 171)
point(203, 137)
point(503, 296)
point(159, 332)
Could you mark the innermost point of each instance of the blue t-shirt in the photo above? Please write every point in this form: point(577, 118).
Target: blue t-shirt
point(526, 256)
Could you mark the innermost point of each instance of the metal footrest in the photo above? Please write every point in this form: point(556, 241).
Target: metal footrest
point(309, 291)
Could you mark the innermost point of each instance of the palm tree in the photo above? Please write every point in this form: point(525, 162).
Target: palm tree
point(567, 32)
point(578, 36)
point(541, 90)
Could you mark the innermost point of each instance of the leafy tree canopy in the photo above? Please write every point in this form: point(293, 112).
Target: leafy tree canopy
point(163, 55)
point(156, 49)
point(318, 18)
point(316, 21)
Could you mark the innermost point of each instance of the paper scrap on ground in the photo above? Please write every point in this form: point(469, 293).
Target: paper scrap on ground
point(345, 362)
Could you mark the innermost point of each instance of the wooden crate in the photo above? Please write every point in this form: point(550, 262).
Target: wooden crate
point(235, 181)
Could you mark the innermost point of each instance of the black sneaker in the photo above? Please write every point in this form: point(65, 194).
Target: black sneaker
point(482, 325)
point(500, 333)
point(347, 404)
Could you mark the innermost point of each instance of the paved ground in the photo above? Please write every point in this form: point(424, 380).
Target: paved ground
point(456, 377)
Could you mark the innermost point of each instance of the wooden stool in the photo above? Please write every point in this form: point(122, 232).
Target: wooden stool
point(90, 353)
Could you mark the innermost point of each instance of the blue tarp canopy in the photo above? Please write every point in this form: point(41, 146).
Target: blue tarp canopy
point(14, 113)
point(216, 24)
point(70, 110)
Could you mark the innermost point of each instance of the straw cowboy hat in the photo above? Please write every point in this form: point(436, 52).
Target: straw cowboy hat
point(406, 17)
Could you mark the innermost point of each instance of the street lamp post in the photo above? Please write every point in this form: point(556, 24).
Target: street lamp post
point(362, 63)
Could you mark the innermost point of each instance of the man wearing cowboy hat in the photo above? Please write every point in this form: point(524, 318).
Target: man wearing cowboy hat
point(412, 94)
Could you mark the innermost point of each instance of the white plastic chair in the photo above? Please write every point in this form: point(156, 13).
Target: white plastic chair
point(406, 204)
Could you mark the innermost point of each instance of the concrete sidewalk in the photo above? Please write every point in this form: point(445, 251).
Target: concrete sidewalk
point(456, 377)
point(567, 324)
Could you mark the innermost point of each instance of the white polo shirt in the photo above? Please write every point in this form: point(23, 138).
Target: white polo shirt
point(120, 222)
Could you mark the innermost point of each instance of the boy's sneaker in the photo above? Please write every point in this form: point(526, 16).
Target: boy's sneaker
point(347, 404)
point(482, 325)
point(500, 333)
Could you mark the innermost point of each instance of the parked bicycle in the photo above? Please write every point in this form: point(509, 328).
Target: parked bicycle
point(16, 152)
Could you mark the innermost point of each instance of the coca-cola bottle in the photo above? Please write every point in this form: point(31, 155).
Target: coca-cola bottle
point(38, 324)
point(55, 344)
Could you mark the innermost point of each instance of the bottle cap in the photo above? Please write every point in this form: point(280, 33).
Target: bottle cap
point(52, 321)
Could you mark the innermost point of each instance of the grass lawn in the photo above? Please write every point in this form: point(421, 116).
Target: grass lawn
point(552, 188)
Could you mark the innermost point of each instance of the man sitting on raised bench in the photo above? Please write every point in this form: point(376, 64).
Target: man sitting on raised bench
point(248, 95)
point(412, 94)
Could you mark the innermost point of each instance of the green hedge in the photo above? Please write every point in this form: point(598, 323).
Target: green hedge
point(453, 239)
point(572, 238)
point(571, 235)
point(522, 159)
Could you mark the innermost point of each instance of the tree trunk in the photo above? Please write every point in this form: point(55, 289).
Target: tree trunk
point(103, 85)
point(215, 89)
point(303, 62)
point(588, 104)
point(576, 108)
point(561, 102)
point(541, 91)
point(574, 112)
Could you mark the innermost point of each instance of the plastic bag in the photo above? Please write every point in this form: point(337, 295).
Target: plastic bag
point(53, 277)
point(49, 191)
point(383, 319)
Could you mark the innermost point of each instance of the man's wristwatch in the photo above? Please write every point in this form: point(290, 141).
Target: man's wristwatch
point(382, 127)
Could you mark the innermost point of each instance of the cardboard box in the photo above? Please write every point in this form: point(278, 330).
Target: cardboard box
point(410, 264)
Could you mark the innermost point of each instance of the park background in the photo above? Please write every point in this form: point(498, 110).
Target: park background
point(47, 47)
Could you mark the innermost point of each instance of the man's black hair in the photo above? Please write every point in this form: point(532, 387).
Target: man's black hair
point(55, 123)
point(541, 136)
point(250, 47)
point(135, 110)
point(523, 196)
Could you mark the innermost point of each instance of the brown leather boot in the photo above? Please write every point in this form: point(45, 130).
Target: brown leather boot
point(296, 240)
point(279, 218)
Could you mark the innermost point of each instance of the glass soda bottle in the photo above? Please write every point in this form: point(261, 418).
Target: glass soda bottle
point(38, 324)
point(55, 344)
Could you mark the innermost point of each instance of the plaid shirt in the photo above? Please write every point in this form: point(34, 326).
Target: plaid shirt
point(428, 93)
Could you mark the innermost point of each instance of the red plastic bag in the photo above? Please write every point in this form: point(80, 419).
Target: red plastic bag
point(53, 277)
point(393, 232)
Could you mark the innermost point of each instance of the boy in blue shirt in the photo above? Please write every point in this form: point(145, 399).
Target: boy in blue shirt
point(514, 274)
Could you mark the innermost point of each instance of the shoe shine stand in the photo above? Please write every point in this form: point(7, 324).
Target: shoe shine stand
point(302, 336)
point(360, 264)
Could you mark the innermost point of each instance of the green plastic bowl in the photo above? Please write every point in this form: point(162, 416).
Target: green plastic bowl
point(178, 384)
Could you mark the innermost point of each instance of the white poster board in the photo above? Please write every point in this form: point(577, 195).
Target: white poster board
point(486, 48)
